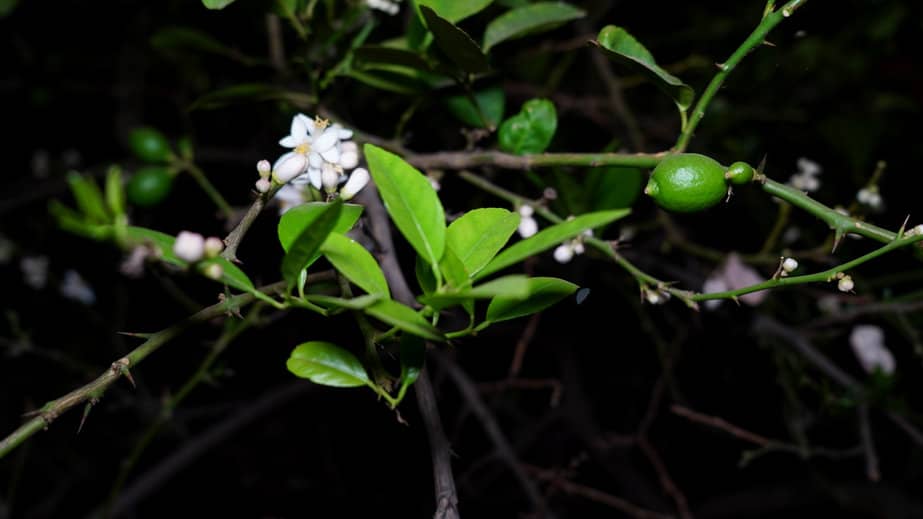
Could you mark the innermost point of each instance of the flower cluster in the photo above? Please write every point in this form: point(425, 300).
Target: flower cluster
point(806, 178)
point(567, 250)
point(527, 224)
point(193, 247)
point(321, 155)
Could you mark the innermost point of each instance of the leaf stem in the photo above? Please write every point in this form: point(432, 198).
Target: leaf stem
point(199, 176)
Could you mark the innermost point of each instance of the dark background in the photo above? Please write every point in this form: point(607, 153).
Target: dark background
point(842, 86)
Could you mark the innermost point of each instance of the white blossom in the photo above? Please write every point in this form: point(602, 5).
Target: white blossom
point(386, 6)
point(75, 287)
point(870, 196)
point(806, 178)
point(915, 231)
point(189, 246)
point(263, 185)
point(213, 271)
point(263, 167)
point(288, 197)
point(34, 271)
point(289, 166)
point(868, 344)
point(527, 224)
point(567, 250)
point(789, 265)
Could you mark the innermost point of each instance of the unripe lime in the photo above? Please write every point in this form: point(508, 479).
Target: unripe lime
point(739, 173)
point(149, 145)
point(687, 182)
point(149, 186)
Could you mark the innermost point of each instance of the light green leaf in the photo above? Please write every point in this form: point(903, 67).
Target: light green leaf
point(478, 235)
point(514, 286)
point(529, 19)
point(618, 44)
point(355, 303)
point(89, 197)
point(74, 222)
point(531, 130)
point(356, 263)
point(413, 355)
point(491, 101)
point(404, 318)
point(424, 274)
point(454, 10)
point(411, 201)
point(328, 365)
point(550, 237)
point(115, 191)
point(453, 269)
point(217, 4)
point(307, 244)
point(455, 43)
point(298, 218)
point(544, 292)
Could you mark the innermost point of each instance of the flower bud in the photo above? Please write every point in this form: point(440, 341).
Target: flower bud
point(189, 246)
point(288, 167)
point(263, 167)
point(329, 178)
point(789, 265)
point(526, 210)
point(213, 271)
point(845, 284)
point(263, 185)
point(349, 159)
point(213, 246)
point(564, 253)
point(527, 226)
point(358, 180)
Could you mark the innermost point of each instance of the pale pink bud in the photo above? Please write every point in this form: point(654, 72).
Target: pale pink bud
point(213, 246)
point(189, 246)
point(263, 167)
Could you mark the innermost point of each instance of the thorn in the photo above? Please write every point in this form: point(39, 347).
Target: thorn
point(729, 193)
point(736, 300)
point(137, 334)
point(762, 164)
point(768, 43)
point(838, 237)
point(900, 233)
point(86, 412)
point(127, 374)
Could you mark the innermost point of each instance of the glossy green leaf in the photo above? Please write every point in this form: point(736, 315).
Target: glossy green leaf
point(356, 263)
point(307, 244)
point(531, 130)
point(404, 318)
point(424, 274)
point(412, 356)
point(618, 44)
point(298, 218)
point(231, 274)
point(410, 200)
point(543, 292)
point(389, 80)
point(178, 40)
point(515, 286)
point(355, 303)
point(453, 270)
point(115, 191)
point(478, 235)
point(455, 43)
point(529, 19)
point(217, 4)
point(550, 237)
point(89, 197)
point(491, 101)
point(327, 364)
point(454, 10)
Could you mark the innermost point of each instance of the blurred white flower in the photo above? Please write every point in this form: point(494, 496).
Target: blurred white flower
point(34, 271)
point(567, 250)
point(734, 274)
point(189, 246)
point(868, 344)
point(288, 197)
point(75, 287)
point(527, 225)
point(806, 178)
point(870, 197)
point(789, 265)
point(263, 167)
point(386, 6)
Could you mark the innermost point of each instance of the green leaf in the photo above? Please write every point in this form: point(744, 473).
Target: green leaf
point(453, 269)
point(390, 81)
point(178, 40)
point(531, 130)
point(550, 237)
point(307, 244)
point(89, 197)
point(613, 187)
point(411, 201)
point(544, 292)
point(327, 364)
point(298, 218)
point(115, 191)
point(390, 56)
point(455, 43)
point(454, 10)
point(217, 4)
point(424, 274)
point(618, 44)
point(491, 101)
point(529, 19)
point(514, 286)
point(74, 222)
point(404, 318)
point(356, 263)
point(478, 235)
point(231, 274)
point(413, 355)
point(355, 303)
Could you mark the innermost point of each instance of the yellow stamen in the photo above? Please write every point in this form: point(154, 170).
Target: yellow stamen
point(320, 122)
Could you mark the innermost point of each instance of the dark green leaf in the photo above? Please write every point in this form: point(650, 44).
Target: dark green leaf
point(544, 292)
point(89, 197)
point(411, 201)
point(531, 130)
point(618, 44)
point(478, 235)
point(306, 245)
point(413, 355)
point(404, 318)
point(298, 218)
point(550, 237)
point(491, 101)
point(390, 81)
point(454, 10)
point(424, 274)
point(389, 56)
point(455, 43)
point(327, 364)
point(529, 19)
point(356, 263)
point(613, 187)
point(511, 287)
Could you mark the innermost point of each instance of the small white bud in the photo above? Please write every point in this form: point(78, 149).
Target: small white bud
point(358, 180)
point(189, 246)
point(789, 265)
point(526, 210)
point(845, 284)
point(349, 146)
point(329, 178)
point(263, 167)
point(263, 185)
point(527, 227)
point(349, 159)
point(213, 271)
point(564, 253)
point(288, 167)
point(578, 247)
point(332, 155)
point(213, 246)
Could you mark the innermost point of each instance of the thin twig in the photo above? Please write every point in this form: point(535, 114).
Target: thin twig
point(720, 423)
point(868, 444)
point(471, 159)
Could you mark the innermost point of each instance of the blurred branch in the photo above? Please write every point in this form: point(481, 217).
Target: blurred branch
point(471, 159)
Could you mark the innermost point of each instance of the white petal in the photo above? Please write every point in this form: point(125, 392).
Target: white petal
point(315, 176)
point(301, 180)
point(76, 288)
point(263, 185)
point(737, 274)
point(867, 342)
point(344, 134)
point(288, 141)
point(349, 159)
point(290, 168)
point(356, 182)
point(332, 155)
point(349, 146)
point(315, 160)
point(326, 141)
point(299, 127)
point(526, 210)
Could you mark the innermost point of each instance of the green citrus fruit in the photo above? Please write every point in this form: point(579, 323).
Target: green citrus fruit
point(149, 186)
point(149, 145)
point(687, 182)
point(739, 173)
